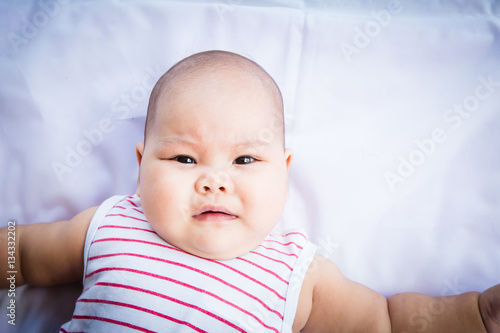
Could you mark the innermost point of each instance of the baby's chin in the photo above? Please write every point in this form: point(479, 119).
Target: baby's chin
point(218, 253)
point(216, 256)
point(216, 243)
point(216, 250)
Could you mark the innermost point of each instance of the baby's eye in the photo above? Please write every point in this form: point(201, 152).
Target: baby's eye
point(244, 160)
point(184, 159)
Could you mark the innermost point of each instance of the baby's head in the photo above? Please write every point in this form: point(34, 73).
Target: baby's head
point(213, 170)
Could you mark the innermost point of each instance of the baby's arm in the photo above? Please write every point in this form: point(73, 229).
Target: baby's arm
point(336, 304)
point(469, 312)
point(46, 254)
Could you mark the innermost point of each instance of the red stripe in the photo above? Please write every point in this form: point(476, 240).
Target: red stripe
point(251, 278)
point(273, 249)
point(175, 320)
point(295, 233)
point(264, 269)
point(187, 267)
point(112, 321)
point(114, 255)
point(128, 240)
point(273, 259)
point(181, 302)
point(121, 207)
point(130, 217)
point(286, 244)
point(133, 204)
point(190, 267)
point(125, 199)
point(117, 285)
point(121, 227)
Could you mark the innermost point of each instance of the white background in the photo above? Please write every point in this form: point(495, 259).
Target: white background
point(367, 85)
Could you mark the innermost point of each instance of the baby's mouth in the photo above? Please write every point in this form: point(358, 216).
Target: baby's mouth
point(214, 213)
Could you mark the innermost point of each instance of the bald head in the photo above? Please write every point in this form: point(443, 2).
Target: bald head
point(195, 68)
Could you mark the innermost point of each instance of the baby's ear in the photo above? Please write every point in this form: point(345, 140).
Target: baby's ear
point(288, 161)
point(288, 158)
point(139, 150)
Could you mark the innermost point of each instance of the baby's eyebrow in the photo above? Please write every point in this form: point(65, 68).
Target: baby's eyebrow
point(177, 140)
point(253, 143)
point(234, 144)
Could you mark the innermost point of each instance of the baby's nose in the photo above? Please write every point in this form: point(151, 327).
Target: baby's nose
point(214, 182)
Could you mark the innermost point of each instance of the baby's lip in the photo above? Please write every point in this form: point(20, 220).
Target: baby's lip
point(211, 212)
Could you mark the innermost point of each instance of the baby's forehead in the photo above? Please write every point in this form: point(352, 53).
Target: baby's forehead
point(208, 70)
point(230, 84)
point(244, 91)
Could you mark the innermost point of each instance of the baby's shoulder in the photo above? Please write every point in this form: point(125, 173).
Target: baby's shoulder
point(321, 275)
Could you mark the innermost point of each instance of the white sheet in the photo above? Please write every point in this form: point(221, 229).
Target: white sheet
point(394, 183)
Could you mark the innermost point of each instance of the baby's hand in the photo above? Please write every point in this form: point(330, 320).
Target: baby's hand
point(489, 305)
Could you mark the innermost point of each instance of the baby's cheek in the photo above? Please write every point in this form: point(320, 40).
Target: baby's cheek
point(271, 202)
point(160, 183)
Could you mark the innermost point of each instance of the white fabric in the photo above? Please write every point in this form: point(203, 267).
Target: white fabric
point(373, 91)
point(135, 279)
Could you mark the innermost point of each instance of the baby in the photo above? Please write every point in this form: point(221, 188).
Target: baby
point(193, 250)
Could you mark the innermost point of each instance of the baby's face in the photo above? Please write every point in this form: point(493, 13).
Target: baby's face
point(213, 175)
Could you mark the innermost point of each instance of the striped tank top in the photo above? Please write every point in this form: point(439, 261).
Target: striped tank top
point(134, 281)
